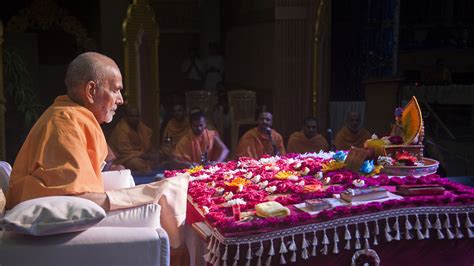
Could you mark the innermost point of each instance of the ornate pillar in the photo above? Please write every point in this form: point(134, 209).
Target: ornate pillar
point(321, 64)
point(291, 92)
point(141, 39)
point(2, 100)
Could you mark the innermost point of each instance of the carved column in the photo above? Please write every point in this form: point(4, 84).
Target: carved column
point(141, 38)
point(2, 100)
point(291, 91)
point(301, 72)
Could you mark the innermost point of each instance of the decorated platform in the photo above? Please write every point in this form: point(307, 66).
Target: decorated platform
point(248, 238)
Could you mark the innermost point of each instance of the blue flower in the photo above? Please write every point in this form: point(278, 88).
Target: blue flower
point(367, 167)
point(340, 156)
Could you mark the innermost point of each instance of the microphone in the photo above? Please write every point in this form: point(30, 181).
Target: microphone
point(330, 139)
point(268, 130)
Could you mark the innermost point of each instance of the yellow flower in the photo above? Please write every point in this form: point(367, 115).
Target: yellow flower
point(238, 181)
point(195, 169)
point(286, 175)
point(332, 165)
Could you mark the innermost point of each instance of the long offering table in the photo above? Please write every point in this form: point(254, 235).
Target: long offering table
point(414, 230)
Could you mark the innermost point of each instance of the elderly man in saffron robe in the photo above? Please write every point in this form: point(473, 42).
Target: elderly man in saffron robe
point(352, 133)
point(261, 140)
point(65, 150)
point(307, 139)
point(200, 145)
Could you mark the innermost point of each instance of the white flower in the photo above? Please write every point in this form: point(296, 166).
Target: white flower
point(211, 184)
point(301, 183)
point(213, 169)
point(305, 171)
point(219, 190)
point(205, 209)
point(240, 187)
point(385, 161)
point(272, 168)
point(199, 177)
point(229, 195)
point(263, 184)
point(271, 189)
point(234, 202)
point(358, 183)
point(269, 160)
point(319, 175)
point(292, 178)
point(297, 165)
point(374, 136)
point(248, 175)
point(256, 179)
point(322, 154)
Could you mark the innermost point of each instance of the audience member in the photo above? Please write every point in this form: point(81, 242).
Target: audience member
point(65, 150)
point(352, 133)
point(193, 69)
point(261, 140)
point(177, 126)
point(308, 139)
point(214, 67)
point(200, 145)
point(131, 141)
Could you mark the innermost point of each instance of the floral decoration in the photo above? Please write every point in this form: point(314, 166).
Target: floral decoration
point(213, 189)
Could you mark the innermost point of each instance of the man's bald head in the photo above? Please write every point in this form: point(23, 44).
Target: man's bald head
point(94, 81)
point(89, 66)
point(353, 121)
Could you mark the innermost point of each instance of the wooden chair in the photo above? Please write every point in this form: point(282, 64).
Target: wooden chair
point(242, 105)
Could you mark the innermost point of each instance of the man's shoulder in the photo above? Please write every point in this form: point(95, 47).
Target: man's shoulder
point(253, 132)
point(276, 133)
point(296, 134)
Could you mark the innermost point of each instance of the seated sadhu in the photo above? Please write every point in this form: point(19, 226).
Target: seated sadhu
point(65, 150)
point(176, 127)
point(131, 142)
point(200, 145)
point(261, 140)
point(307, 139)
point(352, 133)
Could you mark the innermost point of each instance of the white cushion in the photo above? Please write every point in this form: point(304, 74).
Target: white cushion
point(119, 179)
point(52, 215)
point(5, 170)
point(147, 215)
point(3, 203)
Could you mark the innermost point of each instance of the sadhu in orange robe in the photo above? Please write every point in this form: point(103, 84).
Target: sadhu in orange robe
point(130, 144)
point(345, 138)
point(175, 130)
point(191, 147)
point(67, 161)
point(299, 143)
point(255, 144)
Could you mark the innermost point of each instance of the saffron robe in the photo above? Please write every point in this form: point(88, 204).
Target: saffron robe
point(299, 143)
point(130, 144)
point(191, 147)
point(345, 138)
point(175, 130)
point(255, 144)
point(62, 155)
